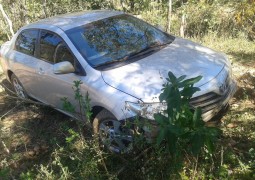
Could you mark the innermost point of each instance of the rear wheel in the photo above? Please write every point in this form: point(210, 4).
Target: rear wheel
point(113, 135)
point(19, 89)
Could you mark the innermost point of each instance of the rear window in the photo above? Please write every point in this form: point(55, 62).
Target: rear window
point(26, 41)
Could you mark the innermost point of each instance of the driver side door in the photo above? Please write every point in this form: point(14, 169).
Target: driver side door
point(54, 87)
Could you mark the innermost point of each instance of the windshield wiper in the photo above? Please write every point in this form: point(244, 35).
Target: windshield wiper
point(113, 61)
point(148, 49)
point(132, 55)
point(160, 44)
point(144, 51)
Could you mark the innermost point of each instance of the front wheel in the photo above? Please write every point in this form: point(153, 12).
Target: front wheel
point(19, 89)
point(113, 135)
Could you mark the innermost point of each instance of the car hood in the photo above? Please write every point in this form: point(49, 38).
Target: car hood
point(145, 77)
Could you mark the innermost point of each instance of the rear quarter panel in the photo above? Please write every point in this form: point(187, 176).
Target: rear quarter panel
point(5, 48)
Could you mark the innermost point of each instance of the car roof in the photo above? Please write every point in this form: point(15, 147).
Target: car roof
point(71, 20)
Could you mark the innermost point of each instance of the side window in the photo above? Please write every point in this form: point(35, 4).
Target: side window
point(26, 40)
point(48, 44)
point(62, 53)
point(53, 48)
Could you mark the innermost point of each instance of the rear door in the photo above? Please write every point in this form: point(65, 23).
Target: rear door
point(23, 61)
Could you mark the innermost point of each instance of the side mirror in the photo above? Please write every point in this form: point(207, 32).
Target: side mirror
point(64, 67)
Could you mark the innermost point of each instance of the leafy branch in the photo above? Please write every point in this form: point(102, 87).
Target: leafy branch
point(181, 126)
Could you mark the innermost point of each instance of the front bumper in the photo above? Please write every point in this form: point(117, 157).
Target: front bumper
point(212, 105)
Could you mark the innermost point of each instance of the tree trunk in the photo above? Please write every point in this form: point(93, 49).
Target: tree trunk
point(44, 3)
point(9, 22)
point(169, 15)
point(132, 5)
point(183, 26)
point(23, 12)
point(122, 5)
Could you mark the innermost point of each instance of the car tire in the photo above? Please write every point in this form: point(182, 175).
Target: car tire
point(19, 89)
point(112, 134)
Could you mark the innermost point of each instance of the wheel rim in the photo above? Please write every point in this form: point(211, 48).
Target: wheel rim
point(18, 88)
point(116, 137)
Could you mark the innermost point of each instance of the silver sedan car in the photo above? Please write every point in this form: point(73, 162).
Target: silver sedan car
point(122, 63)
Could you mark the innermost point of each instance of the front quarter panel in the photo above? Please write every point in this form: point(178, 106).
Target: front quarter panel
point(103, 95)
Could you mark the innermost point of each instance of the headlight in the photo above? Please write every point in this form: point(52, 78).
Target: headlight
point(146, 110)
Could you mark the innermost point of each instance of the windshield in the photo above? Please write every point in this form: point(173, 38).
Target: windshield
point(116, 39)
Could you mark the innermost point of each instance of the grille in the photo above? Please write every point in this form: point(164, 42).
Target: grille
point(206, 102)
point(211, 100)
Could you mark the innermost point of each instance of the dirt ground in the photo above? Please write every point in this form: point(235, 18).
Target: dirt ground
point(27, 131)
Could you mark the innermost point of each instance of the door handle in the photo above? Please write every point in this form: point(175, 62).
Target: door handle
point(41, 71)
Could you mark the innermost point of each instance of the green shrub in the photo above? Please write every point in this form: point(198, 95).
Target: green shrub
point(203, 18)
point(181, 128)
